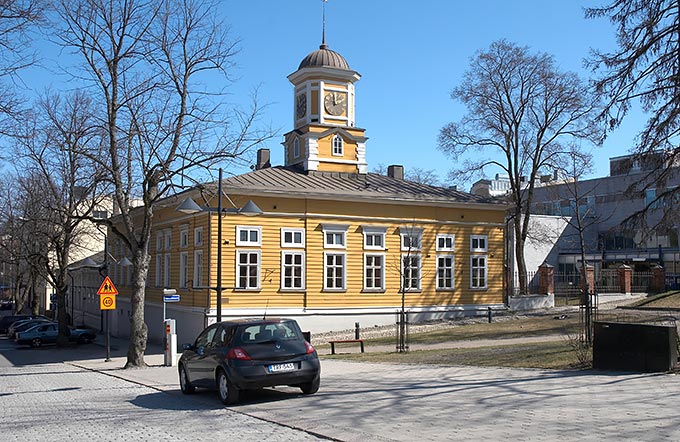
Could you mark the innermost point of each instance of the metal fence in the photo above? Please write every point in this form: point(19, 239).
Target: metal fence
point(607, 281)
point(532, 280)
point(642, 282)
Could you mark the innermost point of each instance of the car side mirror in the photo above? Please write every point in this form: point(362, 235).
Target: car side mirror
point(187, 346)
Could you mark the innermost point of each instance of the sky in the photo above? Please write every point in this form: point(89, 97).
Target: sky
point(410, 56)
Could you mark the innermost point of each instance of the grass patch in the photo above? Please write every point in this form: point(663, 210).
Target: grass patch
point(549, 355)
point(661, 300)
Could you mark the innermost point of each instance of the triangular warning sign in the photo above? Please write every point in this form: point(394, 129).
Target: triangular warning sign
point(107, 288)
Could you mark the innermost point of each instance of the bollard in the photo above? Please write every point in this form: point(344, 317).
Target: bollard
point(489, 315)
point(356, 330)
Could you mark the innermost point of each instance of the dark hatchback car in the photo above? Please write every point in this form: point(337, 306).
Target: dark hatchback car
point(248, 354)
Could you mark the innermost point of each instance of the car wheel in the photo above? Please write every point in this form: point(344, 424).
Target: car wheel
point(311, 387)
point(184, 383)
point(36, 342)
point(228, 393)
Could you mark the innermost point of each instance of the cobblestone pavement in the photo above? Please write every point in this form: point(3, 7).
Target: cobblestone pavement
point(61, 402)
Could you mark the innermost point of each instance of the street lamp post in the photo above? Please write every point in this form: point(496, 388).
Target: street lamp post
point(189, 206)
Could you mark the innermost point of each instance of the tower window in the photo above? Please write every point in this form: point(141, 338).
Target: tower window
point(337, 145)
point(296, 148)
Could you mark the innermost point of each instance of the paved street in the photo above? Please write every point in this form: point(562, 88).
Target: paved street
point(94, 399)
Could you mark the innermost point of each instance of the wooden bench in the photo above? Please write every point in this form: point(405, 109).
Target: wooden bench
point(346, 341)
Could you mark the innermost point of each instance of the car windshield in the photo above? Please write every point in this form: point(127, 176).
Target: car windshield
point(267, 332)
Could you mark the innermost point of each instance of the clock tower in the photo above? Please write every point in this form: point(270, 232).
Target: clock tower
point(324, 137)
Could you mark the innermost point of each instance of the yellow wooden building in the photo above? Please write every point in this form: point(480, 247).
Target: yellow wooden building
point(334, 244)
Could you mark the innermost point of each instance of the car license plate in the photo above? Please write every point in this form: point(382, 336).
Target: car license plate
point(278, 368)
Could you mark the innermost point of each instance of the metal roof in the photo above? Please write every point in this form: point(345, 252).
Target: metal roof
point(324, 57)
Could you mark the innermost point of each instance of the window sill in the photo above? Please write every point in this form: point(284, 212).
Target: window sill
point(255, 290)
point(446, 289)
point(373, 291)
point(334, 290)
point(300, 290)
point(479, 289)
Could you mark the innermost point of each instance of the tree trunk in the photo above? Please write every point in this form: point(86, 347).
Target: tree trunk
point(138, 328)
point(519, 257)
point(64, 331)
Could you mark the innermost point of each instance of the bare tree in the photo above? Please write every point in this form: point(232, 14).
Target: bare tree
point(158, 71)
point(17, 17)
point(522, 113)
point(644, 69)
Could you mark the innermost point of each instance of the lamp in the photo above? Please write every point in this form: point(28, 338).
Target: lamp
point(189, 206)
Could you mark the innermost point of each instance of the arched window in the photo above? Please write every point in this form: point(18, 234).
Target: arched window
point(296, 148)
point(337, 145)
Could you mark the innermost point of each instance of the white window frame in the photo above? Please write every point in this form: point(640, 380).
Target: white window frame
point(183, 269)
point(239, 265)
point(373, 267)
point(159, 241)
point(373, 232)
point(296, 148)
point(284, 266)
point(337, 146)
point(166, 270)
point(198, 269)
point(334, 230)
point(446, 237)
point(485, 268)
point(248, 242)
point(419, 268)
point(411, 232)
point(198, 236)
point(167, 239)
point(184, 236)
point(476, 248)
point(452, 269)
point(333, 288)
point(292, 232)
point(159, 271)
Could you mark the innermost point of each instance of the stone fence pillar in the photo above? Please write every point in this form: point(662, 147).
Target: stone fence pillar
point(625, 279)
point(658, 279)
point(546, 279)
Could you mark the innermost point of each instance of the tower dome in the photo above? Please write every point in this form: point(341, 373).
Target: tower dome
point(324, 57)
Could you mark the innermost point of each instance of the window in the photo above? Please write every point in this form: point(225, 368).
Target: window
point(374, 237)
point(166, 271)
point(374, 271)
point(248, 270)
point(445, 243)
point(198, 268)
point(159, 270)
point(183, 269)
point(168, 239)
point(411, 272)
point(292, 237)
point(159, 241)
point(650, 198)
point(337, 145)
point(334, 235)
point(334, 269)
point(296, 148)
point(100, 214)
point(411, 238)
point(444, 272)
point(292, 270)
point(198, 236)
point(248, 236)
point(478, 272)
point(184, 237)
point(478, 243)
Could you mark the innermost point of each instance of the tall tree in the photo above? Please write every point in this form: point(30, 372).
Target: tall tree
point(158, 70)
point(522, 113)
point(644, 69)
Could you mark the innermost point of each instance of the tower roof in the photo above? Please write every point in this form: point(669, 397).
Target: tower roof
point(324, 57)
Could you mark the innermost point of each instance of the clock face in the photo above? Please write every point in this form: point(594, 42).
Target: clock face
point(335, 102)
point(301, 105)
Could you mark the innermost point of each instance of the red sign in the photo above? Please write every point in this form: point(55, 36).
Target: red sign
point(107, 288)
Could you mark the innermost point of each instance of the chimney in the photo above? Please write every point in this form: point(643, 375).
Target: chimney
point(262, 159)
point(395, 171)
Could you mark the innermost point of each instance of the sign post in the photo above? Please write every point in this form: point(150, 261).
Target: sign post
point(107, 301)
point(170, 336)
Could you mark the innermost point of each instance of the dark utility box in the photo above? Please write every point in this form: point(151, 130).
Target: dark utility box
point(634, 347)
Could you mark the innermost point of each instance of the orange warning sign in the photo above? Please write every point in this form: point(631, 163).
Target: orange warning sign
point(107, 288)
point(107, 302)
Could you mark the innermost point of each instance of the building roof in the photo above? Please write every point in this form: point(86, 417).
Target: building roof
point(324, 57)
point(292, 182)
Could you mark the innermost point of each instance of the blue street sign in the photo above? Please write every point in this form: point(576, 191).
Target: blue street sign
point(170, 298)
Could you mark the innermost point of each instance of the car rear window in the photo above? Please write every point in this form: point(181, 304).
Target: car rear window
point(256, 333)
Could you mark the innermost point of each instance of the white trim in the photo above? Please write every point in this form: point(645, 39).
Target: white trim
point(416, 232)
point(445, 237)
point(453, 271)
point(197, 280)
point(344, 271)
point(402, 271)
point(382, 277)
point(184, 269)
point(486, 272)
point(374, 231)
point(292, 231)
point(334, 229)
point(283, 273)
point(183, 236)
point(248, 242)
point(479, 249)
point(196, 231)
point(238, 265)
point(167, 268)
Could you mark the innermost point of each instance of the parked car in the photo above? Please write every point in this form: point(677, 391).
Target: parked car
point(6, 304)
point(47, 334)
point(245, 354)
point(23, 325)
point(6, 321)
